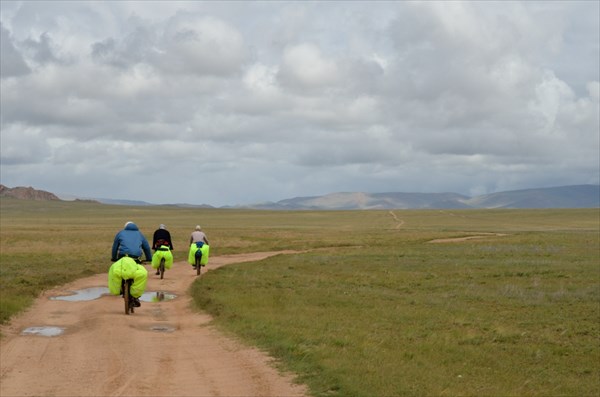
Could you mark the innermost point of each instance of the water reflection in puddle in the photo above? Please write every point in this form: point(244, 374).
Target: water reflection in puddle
point(87, 294)
point(162, 328)
point(43, 331)
point(157, 296)
point(92, 293)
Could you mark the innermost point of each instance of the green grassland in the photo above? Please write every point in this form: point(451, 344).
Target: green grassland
point(369, 307)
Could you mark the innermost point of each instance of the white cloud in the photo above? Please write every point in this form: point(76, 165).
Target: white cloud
point(304, 66)
point(200, 45)
point(301, 98)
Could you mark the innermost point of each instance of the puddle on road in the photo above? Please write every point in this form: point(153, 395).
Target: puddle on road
point(157, 296)
point(43, 331)
point(92, 293)
point(162, 328)
point(87, 294)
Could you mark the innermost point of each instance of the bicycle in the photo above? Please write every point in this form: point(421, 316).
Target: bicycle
point(198, 256)
point(128, 299)
point(161, 245)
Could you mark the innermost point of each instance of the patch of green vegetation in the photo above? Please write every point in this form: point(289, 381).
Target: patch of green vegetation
point(395, 315)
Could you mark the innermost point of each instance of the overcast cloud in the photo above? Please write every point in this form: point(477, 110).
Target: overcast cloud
point(229, 103)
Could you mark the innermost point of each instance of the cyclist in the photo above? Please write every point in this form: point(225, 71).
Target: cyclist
point(198, 235)
point(198, 246)
point(162, 246)
point(127, 254)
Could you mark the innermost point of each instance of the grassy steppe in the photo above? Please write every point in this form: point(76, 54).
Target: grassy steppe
point(372, 308)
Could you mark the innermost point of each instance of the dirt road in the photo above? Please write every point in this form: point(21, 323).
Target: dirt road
point(460, 239)
point(164, 349)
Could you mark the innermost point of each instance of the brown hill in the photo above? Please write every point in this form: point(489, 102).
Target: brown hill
point(27, 193)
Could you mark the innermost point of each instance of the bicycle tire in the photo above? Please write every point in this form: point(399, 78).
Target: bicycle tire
point(198, 266)
point(126, 298)
point(161, 268)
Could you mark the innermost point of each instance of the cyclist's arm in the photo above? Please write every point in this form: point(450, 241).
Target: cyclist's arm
point(170, 241)
point(115, 247)
point(146, 248)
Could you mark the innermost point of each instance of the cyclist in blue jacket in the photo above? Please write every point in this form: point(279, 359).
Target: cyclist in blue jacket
point(130, 242)
point(126, 255)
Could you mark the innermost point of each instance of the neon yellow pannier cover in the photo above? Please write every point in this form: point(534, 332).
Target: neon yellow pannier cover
point(126, 268)
point(192, 254)
point(158, 255)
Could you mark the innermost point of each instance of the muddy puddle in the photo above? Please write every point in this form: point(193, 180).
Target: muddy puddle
point(87, 294)
point(43, 331)
point(92, 293)
point(157, 296)
point(162, 328)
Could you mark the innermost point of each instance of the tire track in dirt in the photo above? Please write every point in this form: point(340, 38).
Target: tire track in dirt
point(459, 239)
point(399, 222)
point(104, 352)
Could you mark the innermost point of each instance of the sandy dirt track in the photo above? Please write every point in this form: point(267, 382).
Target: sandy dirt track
point(460, 239)
point(104, 352)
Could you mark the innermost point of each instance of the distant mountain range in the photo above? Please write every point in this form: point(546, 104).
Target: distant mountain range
point(576, 196)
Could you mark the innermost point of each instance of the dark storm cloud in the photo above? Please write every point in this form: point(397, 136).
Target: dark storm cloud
point(12, 63)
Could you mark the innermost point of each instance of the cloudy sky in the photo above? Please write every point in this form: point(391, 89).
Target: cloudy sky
point(229, 103)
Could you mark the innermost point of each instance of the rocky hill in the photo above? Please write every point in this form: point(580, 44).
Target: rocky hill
point(27, 193)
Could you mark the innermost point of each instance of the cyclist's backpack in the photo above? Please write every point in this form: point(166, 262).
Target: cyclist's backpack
point(199, 244)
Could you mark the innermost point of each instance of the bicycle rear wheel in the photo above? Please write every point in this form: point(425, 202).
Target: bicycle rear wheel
point(161, 268)
point(127, 296)
point(198, 266)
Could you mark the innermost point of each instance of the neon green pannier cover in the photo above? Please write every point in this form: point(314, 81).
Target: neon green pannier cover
point(192, 254)
point(158, 255)
point(126, 268)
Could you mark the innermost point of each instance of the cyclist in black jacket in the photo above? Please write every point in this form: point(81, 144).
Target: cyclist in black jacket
point(162, 246)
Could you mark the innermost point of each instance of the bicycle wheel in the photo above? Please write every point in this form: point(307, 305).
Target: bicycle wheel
point(126, 298)
point(161, 268)
point(198, 266)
